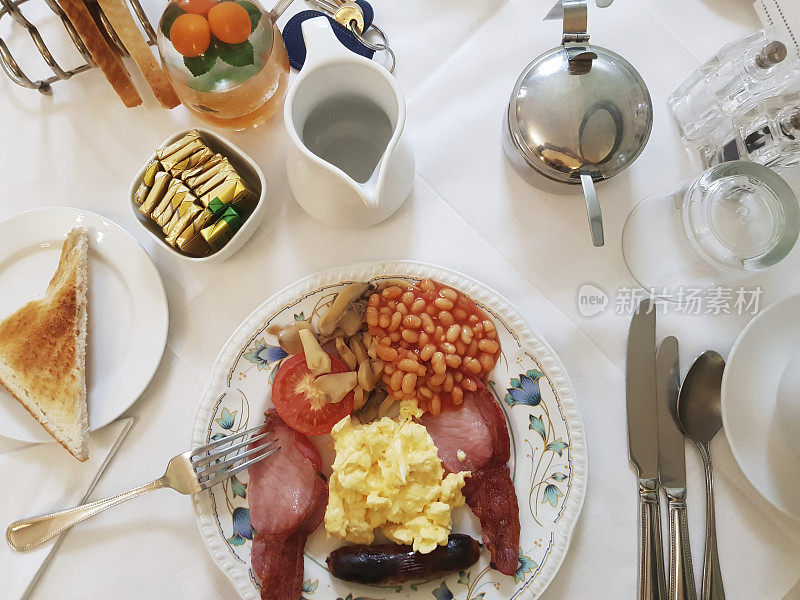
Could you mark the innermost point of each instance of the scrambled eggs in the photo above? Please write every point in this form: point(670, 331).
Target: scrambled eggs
point(387, 474)
point(410, 409)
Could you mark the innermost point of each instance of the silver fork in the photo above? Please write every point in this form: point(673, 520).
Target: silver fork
point(187, 473)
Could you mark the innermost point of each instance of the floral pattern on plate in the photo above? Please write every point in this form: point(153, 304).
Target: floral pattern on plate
point(548, 461)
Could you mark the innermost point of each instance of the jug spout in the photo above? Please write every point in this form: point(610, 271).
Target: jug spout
point(371, 198)
point(380, 185)
point(371, 191)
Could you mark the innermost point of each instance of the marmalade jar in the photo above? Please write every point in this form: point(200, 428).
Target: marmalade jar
point(226, 60)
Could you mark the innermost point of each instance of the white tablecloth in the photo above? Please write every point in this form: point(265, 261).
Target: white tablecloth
point(458, 60)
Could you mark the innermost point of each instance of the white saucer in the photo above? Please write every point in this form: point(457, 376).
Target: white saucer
point(749, 394)
point(128, 313)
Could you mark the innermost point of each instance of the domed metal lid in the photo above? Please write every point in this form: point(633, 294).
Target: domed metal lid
point(579, 109)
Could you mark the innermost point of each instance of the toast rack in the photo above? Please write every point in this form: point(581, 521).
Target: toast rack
point(18, 76)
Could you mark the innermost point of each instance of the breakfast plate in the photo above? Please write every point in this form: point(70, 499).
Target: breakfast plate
point(756, 364)
point(127, 326)
point(548, 446)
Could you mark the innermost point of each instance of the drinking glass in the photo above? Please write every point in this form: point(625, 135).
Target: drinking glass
point(736, 218)
point(237, 80)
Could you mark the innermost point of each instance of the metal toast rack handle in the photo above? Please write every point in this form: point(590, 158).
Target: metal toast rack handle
point(12, 68)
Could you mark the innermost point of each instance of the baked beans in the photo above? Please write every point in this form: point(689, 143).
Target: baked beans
point(434, 341)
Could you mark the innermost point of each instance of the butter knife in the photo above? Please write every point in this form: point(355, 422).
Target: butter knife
point(672, 471)
point(643, 447)
point(126, 427)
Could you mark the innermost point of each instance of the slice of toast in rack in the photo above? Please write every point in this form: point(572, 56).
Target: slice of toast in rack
point(119, 15)
point(104, 55)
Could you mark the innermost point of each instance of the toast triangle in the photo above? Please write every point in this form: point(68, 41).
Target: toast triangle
point(43, 350)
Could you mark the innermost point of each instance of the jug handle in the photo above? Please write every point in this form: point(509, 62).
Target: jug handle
point(321, 43)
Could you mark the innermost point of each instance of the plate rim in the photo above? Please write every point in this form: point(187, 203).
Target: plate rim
point(530, 338)
point(726, 408)
point(69, 213)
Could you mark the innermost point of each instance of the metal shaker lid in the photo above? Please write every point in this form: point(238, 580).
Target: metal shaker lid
point(578, 108)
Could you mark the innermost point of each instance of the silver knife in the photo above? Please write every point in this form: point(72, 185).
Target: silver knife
point(128, 422)
point(643, 447)
point(672, 470)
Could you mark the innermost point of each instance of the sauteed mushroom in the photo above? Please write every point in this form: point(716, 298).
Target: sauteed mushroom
point(357, 346)
point(346, 354)
point(369, 374)
point(382, 285)
point(343, 301)
point(370, 342)
point(317, 360)
point(335, 386)
point(388, 407)
point(369, 411)
point(360, 397)
point(352, 320)
point(289, 336)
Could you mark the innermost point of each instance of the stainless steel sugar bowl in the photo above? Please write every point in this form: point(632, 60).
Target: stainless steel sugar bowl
point(578, 113)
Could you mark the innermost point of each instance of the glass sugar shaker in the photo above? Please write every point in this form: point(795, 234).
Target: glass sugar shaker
point(740, 72)
point(769, 133)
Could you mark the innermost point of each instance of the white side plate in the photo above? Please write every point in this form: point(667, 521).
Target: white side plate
point(749, 396)
point(128, 314)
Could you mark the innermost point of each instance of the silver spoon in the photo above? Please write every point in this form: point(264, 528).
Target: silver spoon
point(699, 412)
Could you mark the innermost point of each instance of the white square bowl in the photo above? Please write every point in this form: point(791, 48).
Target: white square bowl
point(244, 165)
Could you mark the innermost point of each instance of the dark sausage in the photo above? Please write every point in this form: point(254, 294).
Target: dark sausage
point(391, 563)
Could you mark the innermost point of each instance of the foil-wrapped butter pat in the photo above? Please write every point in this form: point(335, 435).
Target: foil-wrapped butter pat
point(214, 178)
point(177, 194)
point(148, 179)
point(141, 194)
point(232, 191)
point(200, 169)
point(206, 180)
point(217, 206)
point(175, 146)
point(197, 247)
point(190, 240)
point(177, 161)
point(150, 171)
point(156, 193)
point(177, 229)
point(180, 211)
point(221, 232)
point(196, 159)
point(165, 199)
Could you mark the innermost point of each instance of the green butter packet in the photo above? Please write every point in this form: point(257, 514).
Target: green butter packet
point(221, 232)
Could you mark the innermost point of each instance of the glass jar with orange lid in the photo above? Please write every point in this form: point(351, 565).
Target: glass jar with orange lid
point(226, 60)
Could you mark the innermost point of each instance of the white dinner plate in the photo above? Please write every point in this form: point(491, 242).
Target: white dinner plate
point(128, 317)
point(749, 395)
point(549, 461)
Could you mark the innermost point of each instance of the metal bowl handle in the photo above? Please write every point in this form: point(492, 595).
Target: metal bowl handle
point(593, 210)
